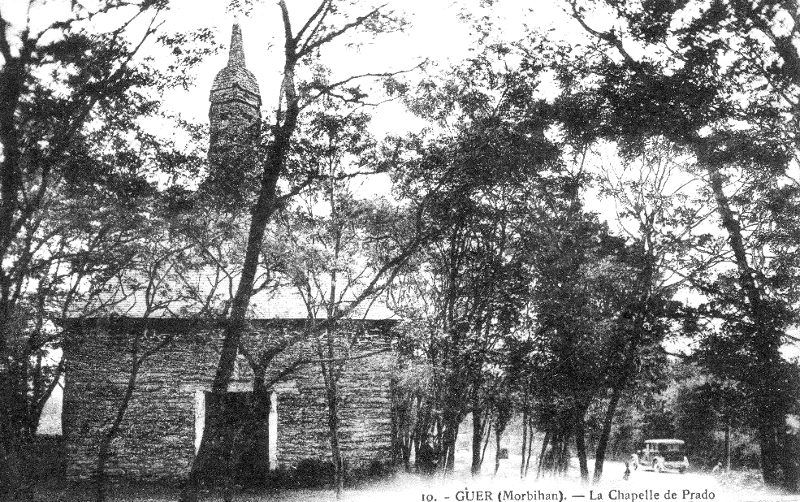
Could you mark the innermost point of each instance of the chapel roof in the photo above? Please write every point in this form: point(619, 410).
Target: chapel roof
point(202, 293)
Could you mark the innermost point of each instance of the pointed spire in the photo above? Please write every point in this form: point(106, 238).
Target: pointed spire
point(236, 56)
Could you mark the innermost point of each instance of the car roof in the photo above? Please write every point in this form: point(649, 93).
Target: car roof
point(665, 441)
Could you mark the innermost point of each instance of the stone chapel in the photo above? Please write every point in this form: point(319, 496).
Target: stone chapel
point(162, 427)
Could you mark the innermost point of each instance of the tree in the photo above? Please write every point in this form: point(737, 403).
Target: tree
point(66, 93)
point(488, 161)
point(580, 292)
point(655, 214)
point(334, 235)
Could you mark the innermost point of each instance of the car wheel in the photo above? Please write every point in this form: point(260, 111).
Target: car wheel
point(682, 470)
point(658, 467)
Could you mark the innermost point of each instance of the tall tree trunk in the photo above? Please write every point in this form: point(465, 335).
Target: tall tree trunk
point(477, 440)
point(580, 443)
point(605, 434)
point(448, 447)
point(10, 468)
point(531, 438)
point(524, 442)
point(541, 464)
point(487, 433)
point(498, 435)
point(14, 432)
point(450, 463)
point(727, 443)
point(336, 450)
point(563, 457)
point(765, 341)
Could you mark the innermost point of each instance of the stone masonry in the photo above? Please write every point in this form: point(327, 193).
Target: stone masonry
point(157, 437)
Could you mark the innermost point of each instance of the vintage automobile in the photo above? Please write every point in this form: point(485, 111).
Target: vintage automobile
point(664, 455)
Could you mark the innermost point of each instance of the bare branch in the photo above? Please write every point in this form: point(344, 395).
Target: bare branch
point(309, 46)
point(609, 37)
point(328, 89)
point(326, 5)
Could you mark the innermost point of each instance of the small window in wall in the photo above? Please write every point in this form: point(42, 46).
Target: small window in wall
point(199, 418)
point(273, 431)
point(50, 421)
point(50, 418)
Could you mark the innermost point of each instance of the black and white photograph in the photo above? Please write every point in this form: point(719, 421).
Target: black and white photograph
point(399, 250)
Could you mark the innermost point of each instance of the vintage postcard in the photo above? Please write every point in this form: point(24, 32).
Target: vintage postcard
point(414, 251)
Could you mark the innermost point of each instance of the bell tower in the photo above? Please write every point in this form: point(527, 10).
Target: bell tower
point(235, 98)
